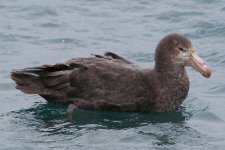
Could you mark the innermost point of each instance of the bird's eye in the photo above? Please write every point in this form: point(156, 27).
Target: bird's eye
point(182, 49)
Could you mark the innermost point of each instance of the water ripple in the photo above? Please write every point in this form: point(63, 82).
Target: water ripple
point(209, 29)
point(6, 86)
point(76, 42)
point(31, 31)
point(50, 25)
point(177, 16)
point(218, 88)
point(39, 11)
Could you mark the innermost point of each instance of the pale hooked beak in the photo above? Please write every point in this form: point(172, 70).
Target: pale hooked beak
point(199, 65)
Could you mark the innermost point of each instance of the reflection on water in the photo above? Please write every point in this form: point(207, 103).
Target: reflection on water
point(51, 113)
point(160, 129)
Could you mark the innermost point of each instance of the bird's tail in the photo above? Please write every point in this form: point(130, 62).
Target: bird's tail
point(48, 80)
point(28, 82)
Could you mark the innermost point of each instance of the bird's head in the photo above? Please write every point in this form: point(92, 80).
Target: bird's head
point(176, 49)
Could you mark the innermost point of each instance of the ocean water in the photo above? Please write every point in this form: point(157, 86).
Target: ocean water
point(44, 32)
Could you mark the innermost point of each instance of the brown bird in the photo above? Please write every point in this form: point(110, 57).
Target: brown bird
point(112, 83)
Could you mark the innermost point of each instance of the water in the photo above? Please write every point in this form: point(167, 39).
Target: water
point(41, 32)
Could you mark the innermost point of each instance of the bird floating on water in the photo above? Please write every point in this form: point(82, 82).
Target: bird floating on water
point(111, 83)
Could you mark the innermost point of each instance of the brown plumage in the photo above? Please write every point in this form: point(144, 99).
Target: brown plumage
point(113, 83)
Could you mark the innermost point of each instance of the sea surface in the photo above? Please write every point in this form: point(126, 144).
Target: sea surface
point(48, 31)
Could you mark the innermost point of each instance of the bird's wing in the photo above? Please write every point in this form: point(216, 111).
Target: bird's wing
point(61, 81)
point(113, 56)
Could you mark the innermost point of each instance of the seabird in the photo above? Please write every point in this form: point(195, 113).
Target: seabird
point(111, 83)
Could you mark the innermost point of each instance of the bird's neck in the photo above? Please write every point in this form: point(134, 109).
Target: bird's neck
point(174, 83)
point(171, 74)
